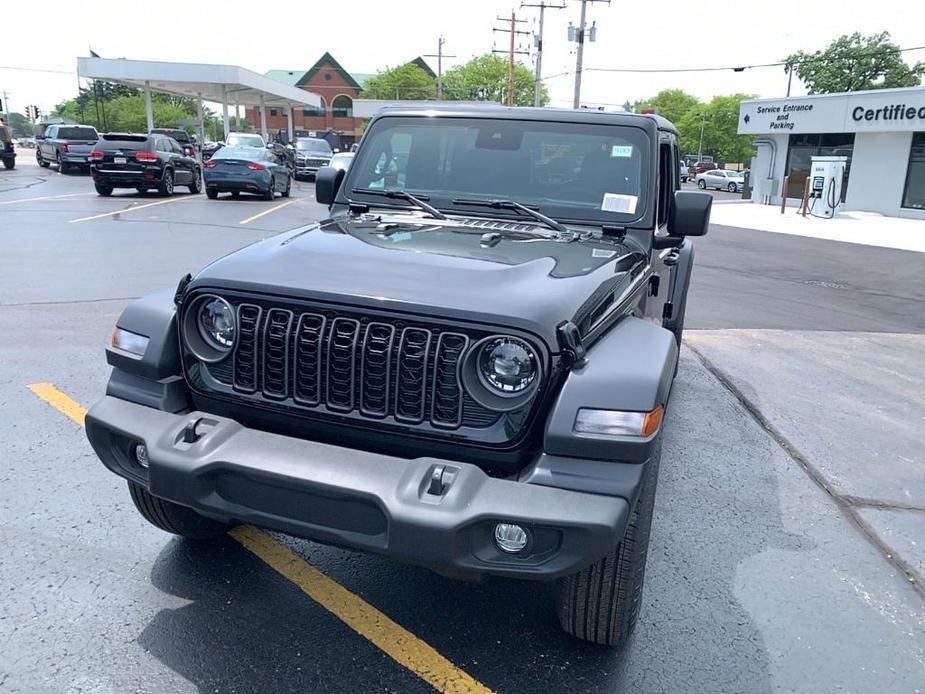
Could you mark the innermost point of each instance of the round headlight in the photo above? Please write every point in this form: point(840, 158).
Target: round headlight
point(216, 323)
point(507, 365)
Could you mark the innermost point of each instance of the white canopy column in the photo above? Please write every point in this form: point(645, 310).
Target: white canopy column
point(149, 111)
point(263, 118)
point(225, 111)
point(289, 122)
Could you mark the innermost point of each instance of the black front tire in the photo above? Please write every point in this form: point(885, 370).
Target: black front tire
point(41, 160)
point(731, 188)
point(601, 603)
point(702, 184)
point(103, 189)
point(173, 518)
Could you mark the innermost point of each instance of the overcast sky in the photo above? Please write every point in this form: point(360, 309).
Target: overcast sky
point(368, 35)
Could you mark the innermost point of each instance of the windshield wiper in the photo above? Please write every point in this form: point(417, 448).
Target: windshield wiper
point(513, 205)
point(404, 195)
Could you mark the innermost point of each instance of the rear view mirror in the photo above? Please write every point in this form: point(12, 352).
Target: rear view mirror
point(327, 182)
point(689, 214)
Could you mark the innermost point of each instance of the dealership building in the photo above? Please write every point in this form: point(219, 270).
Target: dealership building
point(880, 133)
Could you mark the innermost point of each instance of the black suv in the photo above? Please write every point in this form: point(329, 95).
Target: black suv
point(466, 366)
point(143, 162)
point(7, 150)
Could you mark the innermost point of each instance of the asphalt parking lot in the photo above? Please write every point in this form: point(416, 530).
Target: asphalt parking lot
point(788, 545)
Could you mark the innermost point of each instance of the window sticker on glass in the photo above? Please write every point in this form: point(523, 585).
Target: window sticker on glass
point(602, 253)
point(621, 151)
point(615, 202)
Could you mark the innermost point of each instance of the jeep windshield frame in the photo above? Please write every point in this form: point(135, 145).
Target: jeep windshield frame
point(578, 172)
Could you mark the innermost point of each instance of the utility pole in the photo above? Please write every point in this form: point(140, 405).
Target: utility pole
point(439, 56)
point(578, 35)
point(538, 42)
point(511, 51)
point(703, 120)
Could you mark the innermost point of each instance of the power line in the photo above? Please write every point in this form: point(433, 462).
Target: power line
point(734, 68)
point(37, 69)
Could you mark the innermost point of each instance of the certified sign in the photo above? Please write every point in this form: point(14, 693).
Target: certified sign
point(886, 110)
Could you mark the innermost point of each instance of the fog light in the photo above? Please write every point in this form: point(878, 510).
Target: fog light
point(510, 538)
point(141, 455)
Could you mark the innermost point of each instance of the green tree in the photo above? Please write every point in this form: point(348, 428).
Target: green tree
point(19, 124)
point(406, 81)
point(672, 104)
point(720, 120)
point(484, 78)
point(854, 62)
point(124, 113)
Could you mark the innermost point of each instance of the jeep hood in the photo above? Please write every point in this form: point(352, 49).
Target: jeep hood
point(441, 268)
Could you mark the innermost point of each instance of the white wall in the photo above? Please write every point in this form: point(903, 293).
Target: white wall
point(760, 166)
point(878, 172)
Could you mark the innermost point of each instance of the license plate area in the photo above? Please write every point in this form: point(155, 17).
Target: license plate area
point(118, 160)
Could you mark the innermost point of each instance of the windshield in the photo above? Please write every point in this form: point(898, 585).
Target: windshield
point(342, 159)
point(250, 153)
point(178, 135)
point(77, 134)
point(313, 145)
point(733, 174)
point(571, 171)
point(244, 140)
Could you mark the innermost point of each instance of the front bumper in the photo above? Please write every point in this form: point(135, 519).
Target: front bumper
point(353, 498)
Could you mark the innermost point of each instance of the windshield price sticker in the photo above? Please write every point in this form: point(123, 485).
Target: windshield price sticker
point(621, 151)
point(615, 202)
point(602, 253)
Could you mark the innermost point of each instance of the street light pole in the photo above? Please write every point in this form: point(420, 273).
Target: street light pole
point(703, 120)
point(538, 40)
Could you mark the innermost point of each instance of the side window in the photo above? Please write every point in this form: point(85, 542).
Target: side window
point(175, 147)
point(52, 132)
point(667, 174)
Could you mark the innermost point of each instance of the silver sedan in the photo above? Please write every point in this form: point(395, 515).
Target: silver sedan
point(721, 179)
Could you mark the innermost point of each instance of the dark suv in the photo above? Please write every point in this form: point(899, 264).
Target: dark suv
point(66, 146)
point(143, 162)
point(311, 153)
point(467, 366)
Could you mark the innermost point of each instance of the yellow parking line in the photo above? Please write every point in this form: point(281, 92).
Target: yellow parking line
point(44, 197)
point(129, 209)
point(60, 401)
point(261, 214)
point(396, 641)
point(389, 636)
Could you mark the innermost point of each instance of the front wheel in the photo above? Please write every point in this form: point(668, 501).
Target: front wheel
point(269, 194)
point(285, 193)
point(601, 603)
point(731, 188)
point(702, 184)
point(41, 160)
point(9, 163)
point(103, 189)
point(173, 518)
point(166, 185)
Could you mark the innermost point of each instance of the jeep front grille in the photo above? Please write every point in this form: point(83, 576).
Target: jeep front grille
point(348, 363)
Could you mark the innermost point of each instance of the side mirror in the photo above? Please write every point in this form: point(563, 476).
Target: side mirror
point(689, 214)
point(327, 182)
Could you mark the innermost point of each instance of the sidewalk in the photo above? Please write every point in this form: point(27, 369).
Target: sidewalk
point(866, 228)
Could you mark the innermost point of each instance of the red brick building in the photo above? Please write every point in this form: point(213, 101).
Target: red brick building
point(337, 89)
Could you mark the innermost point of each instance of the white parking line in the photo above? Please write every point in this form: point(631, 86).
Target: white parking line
point(261, 214)
point(129, 209)
point(44, 197)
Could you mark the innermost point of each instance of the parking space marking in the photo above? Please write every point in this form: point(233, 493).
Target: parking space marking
point(60, 401)
point(129, 209)
point(265, 212)
point(396, 641)
point(44, 197)
point(390, 637)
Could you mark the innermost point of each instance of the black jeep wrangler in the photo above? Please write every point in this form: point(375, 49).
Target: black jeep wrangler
point(466, 366)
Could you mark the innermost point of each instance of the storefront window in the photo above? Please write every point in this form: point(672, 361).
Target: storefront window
point(914, 195)
point(800, 155)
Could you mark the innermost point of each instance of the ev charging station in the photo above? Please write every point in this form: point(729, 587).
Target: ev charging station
point(826, 176)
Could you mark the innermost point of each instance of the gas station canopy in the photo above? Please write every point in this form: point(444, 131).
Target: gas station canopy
point(221, 84)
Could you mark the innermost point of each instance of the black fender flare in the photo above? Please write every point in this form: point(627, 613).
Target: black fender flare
point(631, 368)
